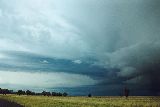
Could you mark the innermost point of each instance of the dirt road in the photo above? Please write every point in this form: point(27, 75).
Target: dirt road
point(5, 103)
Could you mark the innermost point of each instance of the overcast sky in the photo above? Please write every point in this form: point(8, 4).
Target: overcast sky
point(80, 46)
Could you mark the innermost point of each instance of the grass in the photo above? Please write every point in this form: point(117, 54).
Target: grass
point(44, 101)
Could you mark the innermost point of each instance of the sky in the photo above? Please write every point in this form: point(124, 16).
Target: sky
point(80, 46)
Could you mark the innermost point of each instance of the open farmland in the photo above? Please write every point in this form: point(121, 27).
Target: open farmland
point(44, 101)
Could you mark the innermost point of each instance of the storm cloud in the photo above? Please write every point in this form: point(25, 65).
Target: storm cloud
point(113, 43)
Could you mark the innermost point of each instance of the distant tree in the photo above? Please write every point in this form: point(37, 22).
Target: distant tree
point(54, 94)
point(28, 92)
point(19, 92)
point(10, 92)
point(44, 93)
point(0, 91)
point(23, 92)
point(60, 94)
point(89, 95)
point(48, 94)
point(4, 91)
point(65, 94)
point(33, 93)
point(38, 93)
point(126, 92)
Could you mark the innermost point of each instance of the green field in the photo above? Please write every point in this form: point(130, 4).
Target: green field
point(44, 101)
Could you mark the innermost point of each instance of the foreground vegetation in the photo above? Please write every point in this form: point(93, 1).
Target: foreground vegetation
point(44, 101)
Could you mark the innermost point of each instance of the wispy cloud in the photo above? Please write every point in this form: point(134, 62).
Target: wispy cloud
point(77, 61)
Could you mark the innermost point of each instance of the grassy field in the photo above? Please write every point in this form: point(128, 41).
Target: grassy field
point(43, 101)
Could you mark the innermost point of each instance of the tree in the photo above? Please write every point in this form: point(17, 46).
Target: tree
point(19, 92)
point(4, 91)
point(89, 95)
point(33, 93)
point(54, 93)
point(65, 94)
point(44, 93)
point(126, 92)
point(48, 94)
point(28, 92)
point(59, 94)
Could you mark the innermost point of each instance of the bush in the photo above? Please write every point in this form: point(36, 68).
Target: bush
point(89, 95)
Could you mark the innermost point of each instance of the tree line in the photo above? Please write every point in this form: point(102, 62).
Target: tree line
point(28, 92)
point(126, 92)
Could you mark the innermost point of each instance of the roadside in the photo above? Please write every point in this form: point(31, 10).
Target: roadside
point(5, 103)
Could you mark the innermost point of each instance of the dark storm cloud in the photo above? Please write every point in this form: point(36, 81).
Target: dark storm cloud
point(138, 60)
point(33, 62)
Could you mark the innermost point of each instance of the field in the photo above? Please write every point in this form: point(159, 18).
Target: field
point(44, 101)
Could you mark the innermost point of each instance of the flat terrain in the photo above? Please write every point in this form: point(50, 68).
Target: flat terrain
point(44, 101)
